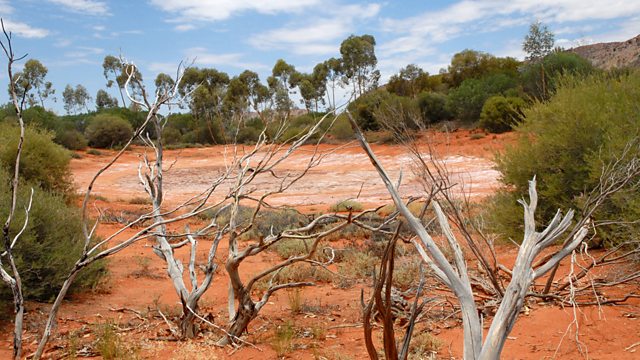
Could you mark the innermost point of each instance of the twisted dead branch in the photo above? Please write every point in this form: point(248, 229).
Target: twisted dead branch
point(455, 275)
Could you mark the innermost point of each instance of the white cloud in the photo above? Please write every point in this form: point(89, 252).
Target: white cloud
point(184, 27)
point(203, 57)
point(162, 67)
point(84, 52)
point(62, 43)
point(5, 7)
point(468, 16)
point(215, 10)
point(89, 7)
point(24, 30)
point(317, 36)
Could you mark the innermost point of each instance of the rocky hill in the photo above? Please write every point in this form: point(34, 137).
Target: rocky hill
point(613, 54)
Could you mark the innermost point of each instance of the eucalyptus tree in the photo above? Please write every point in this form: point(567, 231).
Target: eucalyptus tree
point(246, 93)
point(204, 89)
point(115, 74)
point(105, 101)
point(409, 81)
point(538, 43)
point(313, 87)
point(75, 99)
point(31, 84)
point(334, 73)
point(283, 79)
point(359, 63)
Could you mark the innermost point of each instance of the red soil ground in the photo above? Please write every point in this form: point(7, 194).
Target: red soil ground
point(544, 331)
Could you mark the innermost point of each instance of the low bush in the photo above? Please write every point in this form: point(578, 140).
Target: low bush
point(43, 162)
point(95, 152)
point(110, 346)
point(248, 135)
point(341, 129)
point(266, 222)
point(72, 140)
point(424, 346)
point(565, 142)
point(500, 114)
point(171, 136)
point(466, 101)
point(346, 205)
point(108, 131)
point(51, 244)
point(287, 248)
point(357, 264)
point(433, 107)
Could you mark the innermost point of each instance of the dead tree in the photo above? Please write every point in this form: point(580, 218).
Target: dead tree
point(12, 277)
point(151, 175)
point(381, 301)
point(263, 161)
point(144, 226)
point(455, 275)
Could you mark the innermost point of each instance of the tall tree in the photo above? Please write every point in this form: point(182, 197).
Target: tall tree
point(359, 62)
point(205, 90)
point(313, 87)
point(283, 78)
point(116, 73)
point(409, 81)
point(105, 101)
point(75, 99)
point(538, 43)
point(31, 84)
point(112, 67)
point(334, 72)
point(164, 83)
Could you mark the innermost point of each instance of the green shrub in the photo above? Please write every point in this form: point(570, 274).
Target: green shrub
point(287, 248)
point(381, 137)
point(171, 136)
point(363, 108)
point(346, 205)
point(266, 222)
point(110, 346)
point(72, 140)
point(95, 152)
point(248, 135)
point(398, 113)
point(50, 245)
point(466, 101)
point(433, 107)
point(555, 65)
point(565, 142)
point(500, 113)
point(42, 162)
point(341, 129)
point(107, 131)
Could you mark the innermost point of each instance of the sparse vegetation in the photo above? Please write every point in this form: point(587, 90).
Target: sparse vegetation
point(346, 205)
point(110, 346)
point(572, 123)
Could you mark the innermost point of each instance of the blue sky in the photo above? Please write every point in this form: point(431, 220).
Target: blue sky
point(71, 37)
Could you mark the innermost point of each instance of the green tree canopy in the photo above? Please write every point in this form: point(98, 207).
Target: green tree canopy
point(105, 101)
point(359, 63)
point(31, 83)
